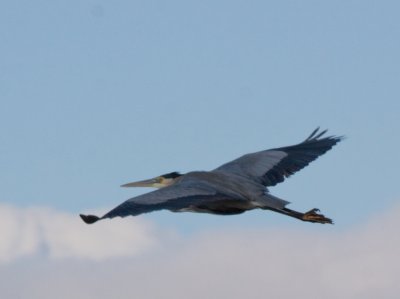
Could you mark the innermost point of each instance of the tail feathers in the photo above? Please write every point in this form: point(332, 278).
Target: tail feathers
point(89, 219)
point(270, 201)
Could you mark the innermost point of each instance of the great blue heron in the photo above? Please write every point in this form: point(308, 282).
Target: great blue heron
point(233, 188)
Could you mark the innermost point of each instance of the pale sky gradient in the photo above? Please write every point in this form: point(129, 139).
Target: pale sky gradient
point(95, 94)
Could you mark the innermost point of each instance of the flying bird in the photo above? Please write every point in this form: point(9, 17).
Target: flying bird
point(233, 188)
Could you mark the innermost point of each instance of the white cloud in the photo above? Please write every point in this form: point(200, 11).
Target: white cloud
point(265, 263)
point(33, 231)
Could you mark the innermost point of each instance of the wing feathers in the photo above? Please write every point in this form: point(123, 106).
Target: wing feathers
point(271, 167)
point(299, 156)
point(130, 208)
point(174, 198)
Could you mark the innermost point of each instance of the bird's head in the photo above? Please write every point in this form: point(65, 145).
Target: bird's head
point(157, 182)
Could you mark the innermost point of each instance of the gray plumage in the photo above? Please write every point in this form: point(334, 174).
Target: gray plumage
point(232, 188)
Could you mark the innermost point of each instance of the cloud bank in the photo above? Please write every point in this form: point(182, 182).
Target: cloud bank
point(266, 263)
point(41, 231)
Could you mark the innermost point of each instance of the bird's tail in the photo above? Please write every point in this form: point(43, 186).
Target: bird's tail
point(271, 201)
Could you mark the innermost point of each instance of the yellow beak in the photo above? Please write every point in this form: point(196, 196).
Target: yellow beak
point(154, 182)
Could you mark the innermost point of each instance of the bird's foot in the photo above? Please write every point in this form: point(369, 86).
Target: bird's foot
point(314, 216)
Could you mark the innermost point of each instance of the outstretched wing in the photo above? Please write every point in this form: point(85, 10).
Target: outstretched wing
point(174, 198)
point(272, 166)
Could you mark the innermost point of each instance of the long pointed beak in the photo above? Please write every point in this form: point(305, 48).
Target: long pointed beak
point(146, 183)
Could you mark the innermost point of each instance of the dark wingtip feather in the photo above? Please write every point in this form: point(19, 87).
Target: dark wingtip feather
point(312, 134)
point(315, 135)
point(340, 138)
point(336, 139)
point(89, 219)
point(320, 134)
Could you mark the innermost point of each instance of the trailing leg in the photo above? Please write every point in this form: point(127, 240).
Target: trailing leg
point(310, 216)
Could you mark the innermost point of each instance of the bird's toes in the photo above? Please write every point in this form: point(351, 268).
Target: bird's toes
point(314, 216)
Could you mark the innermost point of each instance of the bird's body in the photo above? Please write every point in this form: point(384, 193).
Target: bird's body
point(233, 188)
point(235, 193)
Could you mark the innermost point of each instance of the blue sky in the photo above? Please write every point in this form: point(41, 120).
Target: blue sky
point(94, 94)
